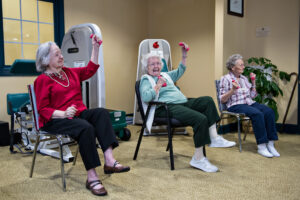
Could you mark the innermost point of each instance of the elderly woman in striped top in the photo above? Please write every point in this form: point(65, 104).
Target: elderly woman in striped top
point(238, 93)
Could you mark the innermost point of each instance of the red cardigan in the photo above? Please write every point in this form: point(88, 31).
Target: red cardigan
point(51, 96)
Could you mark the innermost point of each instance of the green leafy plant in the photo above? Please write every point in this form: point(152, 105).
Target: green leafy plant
point(267, 76)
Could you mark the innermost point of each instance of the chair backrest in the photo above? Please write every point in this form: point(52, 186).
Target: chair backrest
point(34, 106)
point(139, 99)
point(16, 101)
point(222, 106)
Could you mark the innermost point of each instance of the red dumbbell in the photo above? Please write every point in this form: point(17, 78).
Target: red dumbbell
point(184, 46)
point(99, 42)
point(252, 76)
point(164, 84)
point(237, 86)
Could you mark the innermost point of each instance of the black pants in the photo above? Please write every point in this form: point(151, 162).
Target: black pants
point(91, 124)
point(200, 113)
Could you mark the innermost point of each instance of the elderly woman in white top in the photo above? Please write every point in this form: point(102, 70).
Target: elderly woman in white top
point(200, 113)
point(237, 93)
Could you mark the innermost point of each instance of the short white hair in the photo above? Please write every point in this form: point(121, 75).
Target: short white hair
point(231, 62)
point(43, 56)
point(145, 58)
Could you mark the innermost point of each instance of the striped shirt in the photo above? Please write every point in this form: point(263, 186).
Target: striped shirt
point(243, 95)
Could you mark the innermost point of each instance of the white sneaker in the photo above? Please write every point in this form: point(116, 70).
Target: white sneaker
point(219, 141)
point(203, 164)
point(263, 150)
point(272, 150)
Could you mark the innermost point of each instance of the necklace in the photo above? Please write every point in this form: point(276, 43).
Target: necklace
point(50, 75)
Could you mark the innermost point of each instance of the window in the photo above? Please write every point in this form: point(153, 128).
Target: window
point(26, 24)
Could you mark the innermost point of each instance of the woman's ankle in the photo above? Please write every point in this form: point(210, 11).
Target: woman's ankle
point(92, 175)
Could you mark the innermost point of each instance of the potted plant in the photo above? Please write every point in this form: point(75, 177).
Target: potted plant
point(267, 76)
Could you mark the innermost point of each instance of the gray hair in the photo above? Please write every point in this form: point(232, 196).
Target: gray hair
point(43, 56)
point(146, 57)
point(232, 61)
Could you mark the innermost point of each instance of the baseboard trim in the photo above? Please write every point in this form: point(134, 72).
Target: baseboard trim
point(288, 128)
point(224, 129)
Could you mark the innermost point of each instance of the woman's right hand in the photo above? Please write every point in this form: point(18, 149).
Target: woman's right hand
point(70, 112)
point(235, 85)
point(160, 82)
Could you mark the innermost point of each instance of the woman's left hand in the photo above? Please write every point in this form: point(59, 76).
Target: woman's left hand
point(184, 49)
point(96, 42)
point(253, 77)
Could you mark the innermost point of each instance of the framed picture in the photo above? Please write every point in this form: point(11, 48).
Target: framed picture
point(236, 7)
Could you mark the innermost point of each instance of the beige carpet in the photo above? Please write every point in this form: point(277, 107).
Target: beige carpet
point(245, 175)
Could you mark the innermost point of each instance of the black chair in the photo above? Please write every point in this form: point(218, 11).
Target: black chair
point(49, 136)
point(226, 115)
point(158, 121)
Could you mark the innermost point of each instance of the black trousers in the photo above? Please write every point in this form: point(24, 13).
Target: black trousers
point(91, 124)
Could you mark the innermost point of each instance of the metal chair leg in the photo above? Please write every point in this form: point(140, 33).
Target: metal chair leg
point(218, 125)
point(239, 133)
point(248, 130)
point(62, 163)
point(139, 142)
point(168, 146)
point(76, 154)
point(37, 142)
point(12, 129)
point(171, 148)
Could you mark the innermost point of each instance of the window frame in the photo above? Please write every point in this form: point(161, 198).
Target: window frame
point(59, 31)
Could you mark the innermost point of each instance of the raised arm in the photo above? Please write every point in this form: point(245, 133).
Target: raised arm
point(184, 49)
point(96, 42)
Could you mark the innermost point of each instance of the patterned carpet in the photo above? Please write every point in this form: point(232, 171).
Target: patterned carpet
point(245, 175)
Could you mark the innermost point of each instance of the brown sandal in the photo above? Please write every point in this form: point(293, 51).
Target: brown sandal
point(114, 169)
point(99, 192)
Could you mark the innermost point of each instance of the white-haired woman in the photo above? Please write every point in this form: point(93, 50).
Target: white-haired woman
point(237, 92)
point(61, 111)
point(200, 113)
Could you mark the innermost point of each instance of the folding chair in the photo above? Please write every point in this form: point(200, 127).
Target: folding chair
point(15, 102)
point(47, 136)
point(170, 122)
point(238, 116)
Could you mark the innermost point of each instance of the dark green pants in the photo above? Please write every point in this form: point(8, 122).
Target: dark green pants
point(200, 113)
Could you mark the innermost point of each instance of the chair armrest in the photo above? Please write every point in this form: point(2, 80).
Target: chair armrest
point(151, 103)
point(232, 113)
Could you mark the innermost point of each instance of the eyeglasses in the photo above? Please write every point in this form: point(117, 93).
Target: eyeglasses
point(153, 64)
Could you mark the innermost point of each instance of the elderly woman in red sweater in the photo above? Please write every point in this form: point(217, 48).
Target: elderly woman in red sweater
point(61, 111)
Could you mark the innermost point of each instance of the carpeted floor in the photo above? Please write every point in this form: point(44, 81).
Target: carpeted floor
point(245, 175)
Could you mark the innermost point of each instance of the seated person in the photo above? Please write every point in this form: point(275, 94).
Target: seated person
point(200, 113)
point(237, 93)
point(61, 111)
